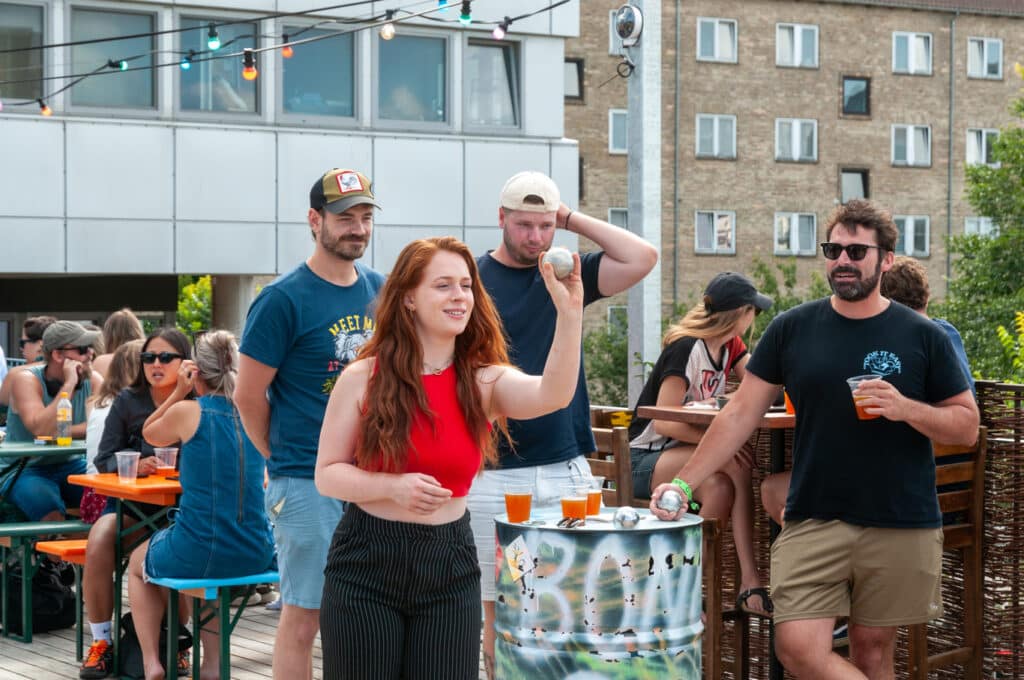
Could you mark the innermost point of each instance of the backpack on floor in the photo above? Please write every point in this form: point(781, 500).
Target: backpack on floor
point(130, 653)
point(53, 601)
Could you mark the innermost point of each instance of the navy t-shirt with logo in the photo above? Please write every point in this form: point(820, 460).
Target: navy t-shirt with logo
point(308, 329)
point(865, 472)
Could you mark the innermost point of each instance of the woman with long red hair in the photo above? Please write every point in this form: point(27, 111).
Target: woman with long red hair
point(407, 428)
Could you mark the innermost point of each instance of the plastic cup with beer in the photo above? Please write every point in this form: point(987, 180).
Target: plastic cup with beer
point(574, 500)
point(854, 383)
point(518, 498)
point(594, 495)
point(789, 404)
point(127, 465)
point(166, 456)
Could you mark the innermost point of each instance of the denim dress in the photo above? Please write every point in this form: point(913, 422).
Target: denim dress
point(221, 529)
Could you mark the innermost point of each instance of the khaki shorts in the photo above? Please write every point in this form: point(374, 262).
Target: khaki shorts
point(876, 576)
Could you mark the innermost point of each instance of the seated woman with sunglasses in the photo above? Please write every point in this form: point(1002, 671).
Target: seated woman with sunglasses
point(161, 356)
point(697, 357)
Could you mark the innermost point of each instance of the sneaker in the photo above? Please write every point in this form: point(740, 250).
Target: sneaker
point(184, 664)
point(840, 636)
point(99, 661)
point(275, 606)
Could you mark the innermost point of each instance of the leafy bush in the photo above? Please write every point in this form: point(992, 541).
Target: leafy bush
point(1013, 347)
point(195, 303)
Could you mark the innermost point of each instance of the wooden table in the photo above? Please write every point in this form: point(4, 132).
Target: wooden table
point(153, 490)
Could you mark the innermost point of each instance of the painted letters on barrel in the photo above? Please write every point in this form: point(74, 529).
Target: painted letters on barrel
point(599, 602)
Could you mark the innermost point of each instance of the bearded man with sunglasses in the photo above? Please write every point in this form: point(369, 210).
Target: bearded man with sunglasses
point(862, 536)
point(42, 491)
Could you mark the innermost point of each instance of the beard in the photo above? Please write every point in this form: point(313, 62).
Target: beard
point(519, 255)
point(854, 291)
point(344, 247)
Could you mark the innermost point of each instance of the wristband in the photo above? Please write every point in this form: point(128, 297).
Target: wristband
point(565, 223)
point(685, 488)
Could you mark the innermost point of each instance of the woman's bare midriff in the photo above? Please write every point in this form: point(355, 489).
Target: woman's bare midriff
point(452, 510)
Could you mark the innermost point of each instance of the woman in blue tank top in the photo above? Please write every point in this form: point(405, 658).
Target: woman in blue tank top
point(221, 528)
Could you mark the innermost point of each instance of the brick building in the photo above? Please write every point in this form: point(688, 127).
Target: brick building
point(775, 111)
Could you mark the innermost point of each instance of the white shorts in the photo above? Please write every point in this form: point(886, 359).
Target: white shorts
point(486, 500)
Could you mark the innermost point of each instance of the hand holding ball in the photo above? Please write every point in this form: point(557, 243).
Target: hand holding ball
point(670, 501)
point(560, 260)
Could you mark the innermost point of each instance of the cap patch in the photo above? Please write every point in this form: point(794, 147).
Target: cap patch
point(349, 182)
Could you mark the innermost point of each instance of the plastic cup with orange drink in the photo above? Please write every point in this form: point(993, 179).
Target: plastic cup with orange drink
point(855, 383)
point(594, 495)
point(518, 499)
point(167, 457)
point(574, 501)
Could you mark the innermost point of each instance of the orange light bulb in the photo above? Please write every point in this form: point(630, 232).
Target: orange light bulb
point(287, 52)
point(250, 72)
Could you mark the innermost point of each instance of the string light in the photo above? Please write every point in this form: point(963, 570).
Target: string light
point(121, 65)
point(186, 61)
point(442, 3)
point(501, 29)
point(213, 38)
point(44, 109)
point(287, 52)
point(387, 31)
point(465, 16)
point(249, 71)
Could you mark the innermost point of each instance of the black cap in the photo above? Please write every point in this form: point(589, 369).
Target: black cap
point(730, 290)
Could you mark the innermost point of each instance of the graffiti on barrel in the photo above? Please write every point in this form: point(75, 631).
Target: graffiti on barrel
point(599, 602)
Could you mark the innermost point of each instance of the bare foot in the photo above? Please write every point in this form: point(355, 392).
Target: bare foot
point(155, 672)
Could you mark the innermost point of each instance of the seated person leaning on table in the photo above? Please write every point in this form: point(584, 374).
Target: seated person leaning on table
point(42, 491)
point(155, 380)
point(221, 528)
point(698, 354)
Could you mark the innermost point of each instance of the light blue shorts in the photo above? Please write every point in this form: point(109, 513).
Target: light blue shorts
point(304, 522)
point(486, 500)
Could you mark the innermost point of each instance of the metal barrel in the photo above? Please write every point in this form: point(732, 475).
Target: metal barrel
point(598, 601)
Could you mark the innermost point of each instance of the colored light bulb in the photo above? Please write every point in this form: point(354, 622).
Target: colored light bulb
point(213, 38)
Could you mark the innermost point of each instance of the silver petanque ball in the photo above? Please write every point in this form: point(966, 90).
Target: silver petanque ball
point(561, 261)
point(671, 501)
point(626, 518)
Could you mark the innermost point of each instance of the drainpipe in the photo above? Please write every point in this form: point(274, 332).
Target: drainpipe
point(949, 150)
point(675, 171)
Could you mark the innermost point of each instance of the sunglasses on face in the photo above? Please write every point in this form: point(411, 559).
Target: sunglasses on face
point(855, 251)
point(162, 357)
point(24, 341)
point(80, 350)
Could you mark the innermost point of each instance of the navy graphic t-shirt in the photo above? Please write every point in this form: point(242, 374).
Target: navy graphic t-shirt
point(865, 472)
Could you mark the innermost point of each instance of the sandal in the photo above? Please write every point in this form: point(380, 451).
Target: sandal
point(741, 602)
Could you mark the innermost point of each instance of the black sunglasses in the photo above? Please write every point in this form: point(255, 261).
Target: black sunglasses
point(80, 349)
point(856, 251)
point(24, 341)
point(164, 357)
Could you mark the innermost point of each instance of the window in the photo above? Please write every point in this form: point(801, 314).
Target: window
point(912, 53)
point(913, 235)
point(985, 58)
point(412, 79)
point(618, 319)
point(132, 89)
point(617, 131)
point(715, 232)
point(796, 139)
point(490, 83)
point(796, 233)
point(716, 136)
point(619, 217)
point(856, 96)
point(980, 225)
point(615, 48)
point(305, 90)
point(716, 40)
point(853, 184)
point(911, 145)
point(979, 146)
point(796, 45)
point(217, 84)
point(574, 80)
point(21, 26)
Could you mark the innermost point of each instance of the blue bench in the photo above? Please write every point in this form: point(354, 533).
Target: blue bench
point(201, 590)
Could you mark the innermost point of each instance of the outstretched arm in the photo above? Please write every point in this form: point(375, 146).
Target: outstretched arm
point(627, 257)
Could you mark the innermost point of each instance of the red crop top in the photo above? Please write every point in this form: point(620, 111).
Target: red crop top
point(450, 454)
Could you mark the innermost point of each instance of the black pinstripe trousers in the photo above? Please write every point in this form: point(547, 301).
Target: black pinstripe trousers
point(400, 601)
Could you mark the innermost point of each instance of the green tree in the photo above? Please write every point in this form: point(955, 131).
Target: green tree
point(785, 294)
point(987, 286)
point(1013, 347)
point(195, 303)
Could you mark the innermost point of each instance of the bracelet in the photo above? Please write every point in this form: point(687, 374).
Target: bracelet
point(684, 487)
point(565, 223)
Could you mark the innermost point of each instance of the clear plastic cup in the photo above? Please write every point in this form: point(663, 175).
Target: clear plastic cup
point(518, 498)
point(594, 495)
point(854, 383)
point(127, 465)
point(167, 457)
point(574, 500)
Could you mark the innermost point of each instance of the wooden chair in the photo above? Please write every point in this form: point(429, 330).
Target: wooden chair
point(965, 537)
point(611, 461)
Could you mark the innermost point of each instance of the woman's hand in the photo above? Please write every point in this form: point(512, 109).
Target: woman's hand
point(566, 293)
point(419, 493)
point(148, 465)
point(186, 378)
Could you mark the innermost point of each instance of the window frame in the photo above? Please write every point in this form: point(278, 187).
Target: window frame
point(795, 139)
point(715, 118)
point(984, 54)
point(902, 235)
point(45, 63)
point(865, 173)
point(580, 70)
point(991, 232)
point(390, 124)
point(206, 15)
point(810, 251)
point(625, 211)
point(912, 69)
point(842, 97)
point(715, 215)
point(315, 119)
point(909, 163)
point(616, 151)
point(735, 40)
point(983, 147)
point(610, 312)
point(778, 44)
point(517, 95)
